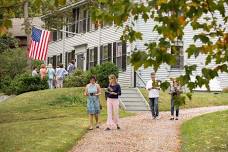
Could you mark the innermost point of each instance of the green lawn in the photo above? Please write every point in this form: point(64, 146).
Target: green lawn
point(50, 120)
point(207, 133)
point(199, 99)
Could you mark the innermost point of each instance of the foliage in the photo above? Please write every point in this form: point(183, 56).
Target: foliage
point(7, 42)
point(101, 72)
point(24, 83)
point(15, 8)
point(77, 79)
point(37, 63)
point(207, 133)
point(171, 17)
point(12, 62)
point(34, 125)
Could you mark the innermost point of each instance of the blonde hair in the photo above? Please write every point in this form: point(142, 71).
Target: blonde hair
point(112, 76)
point(43, 66)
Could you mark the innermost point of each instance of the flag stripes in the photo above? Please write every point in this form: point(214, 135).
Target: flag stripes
point(39, 44)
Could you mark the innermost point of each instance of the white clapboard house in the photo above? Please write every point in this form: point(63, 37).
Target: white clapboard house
point(92, 45)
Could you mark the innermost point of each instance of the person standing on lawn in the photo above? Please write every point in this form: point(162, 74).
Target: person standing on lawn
point(51, 76)
point(175, 91)
point(43, 71)
point(153, 88)
point(92, 91)
point(60, 75)
point(113, 92)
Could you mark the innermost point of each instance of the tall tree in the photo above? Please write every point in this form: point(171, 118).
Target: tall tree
point(26, 9)
point(172, 17)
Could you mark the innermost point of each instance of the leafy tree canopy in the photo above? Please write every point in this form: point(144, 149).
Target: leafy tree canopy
point(15, 8)
point(172, 16)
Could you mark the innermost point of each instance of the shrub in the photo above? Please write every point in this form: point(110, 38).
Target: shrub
point(80, 78)
point(12, 62)
point(103, 71)
point(25, 83)
point(77, 79)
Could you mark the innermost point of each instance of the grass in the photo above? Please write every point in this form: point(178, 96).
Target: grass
point(49, 120)
point(199, 99)
point(207, 133)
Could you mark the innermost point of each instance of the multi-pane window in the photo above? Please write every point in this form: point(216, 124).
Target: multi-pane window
point(82, 20)
point(105, 53)
point(91, 58)
point(57, 34)
point(119, 55)
point(177, 50)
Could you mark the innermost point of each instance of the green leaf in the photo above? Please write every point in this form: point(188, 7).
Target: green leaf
point(165, 85)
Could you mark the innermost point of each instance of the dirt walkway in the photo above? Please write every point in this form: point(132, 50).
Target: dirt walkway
point(141, 134)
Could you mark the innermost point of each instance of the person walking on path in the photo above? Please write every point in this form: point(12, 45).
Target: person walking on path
point(43, 71)
point(92, 91)
point(51, 76)
point(71, 67)
point(153, 87)
point(60, 74)
point(175, 91)
point(34, 72)
point(113, 93)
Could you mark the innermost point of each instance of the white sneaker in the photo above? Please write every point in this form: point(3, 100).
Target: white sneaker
point(158, 117)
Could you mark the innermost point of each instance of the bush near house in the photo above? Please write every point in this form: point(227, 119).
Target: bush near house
point(77, 79)
point(80, 78)
point(23, 83)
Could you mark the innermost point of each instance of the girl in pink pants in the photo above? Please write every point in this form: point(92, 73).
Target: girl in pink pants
point(113, 93)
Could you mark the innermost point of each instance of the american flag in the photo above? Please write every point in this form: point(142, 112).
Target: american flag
point(39, 44)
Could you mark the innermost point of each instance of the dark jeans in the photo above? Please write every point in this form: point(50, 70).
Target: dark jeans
point(174, 107)
point(154, 106)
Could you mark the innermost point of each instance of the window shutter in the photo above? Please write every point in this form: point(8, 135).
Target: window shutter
point(95, 56)
point(48, 60)
point(54, 35)
point(66, 59)
point(124, 56)
point(109, 52)
point(101, 54)
point(54, 61)
point(61, 58)
point(87, 60)
point(114, 52)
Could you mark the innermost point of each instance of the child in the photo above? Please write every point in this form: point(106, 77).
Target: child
point(175, 91)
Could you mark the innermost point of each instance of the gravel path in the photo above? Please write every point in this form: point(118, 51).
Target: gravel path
point(141, 134)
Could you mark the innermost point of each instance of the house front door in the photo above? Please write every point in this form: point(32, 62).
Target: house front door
point(80, 61)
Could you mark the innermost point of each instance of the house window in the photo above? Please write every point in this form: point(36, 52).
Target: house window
point(91, 58)
point(177, 50)
point(70, 27)
point(57, 34)
point(105, 53)
point(119, 55)
point(82, 20)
